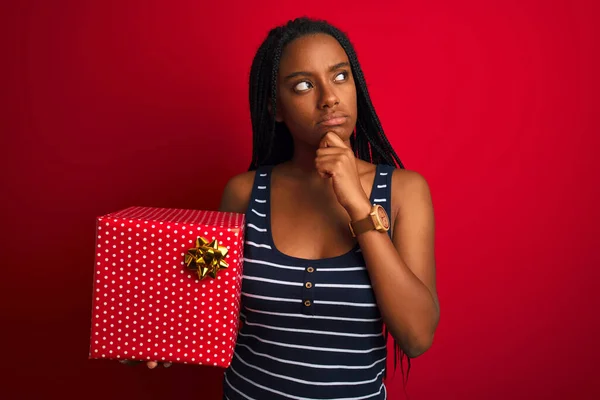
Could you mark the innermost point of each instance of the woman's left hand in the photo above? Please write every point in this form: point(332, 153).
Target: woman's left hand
point(335, 160)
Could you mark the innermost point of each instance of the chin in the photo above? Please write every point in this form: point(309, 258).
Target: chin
point(342, 131)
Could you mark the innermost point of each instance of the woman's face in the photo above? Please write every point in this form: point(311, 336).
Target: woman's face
point(316, 91)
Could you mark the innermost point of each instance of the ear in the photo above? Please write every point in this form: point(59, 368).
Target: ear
point(278, 116)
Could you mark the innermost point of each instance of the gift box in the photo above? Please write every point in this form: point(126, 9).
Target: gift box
point(167, 285)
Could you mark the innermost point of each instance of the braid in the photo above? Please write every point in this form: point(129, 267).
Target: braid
point(272, 142)
point(384, 152)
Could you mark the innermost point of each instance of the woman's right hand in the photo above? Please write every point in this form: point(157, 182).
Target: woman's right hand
point(154, 364)
point(149, 364)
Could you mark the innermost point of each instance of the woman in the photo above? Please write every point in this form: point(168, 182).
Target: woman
point(339, 238)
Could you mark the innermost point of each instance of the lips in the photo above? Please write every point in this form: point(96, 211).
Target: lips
point(333, 119)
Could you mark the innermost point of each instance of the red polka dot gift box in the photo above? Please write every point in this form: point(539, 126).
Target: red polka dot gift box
point(167, 285)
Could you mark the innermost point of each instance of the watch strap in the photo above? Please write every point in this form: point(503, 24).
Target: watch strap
point(362, 226)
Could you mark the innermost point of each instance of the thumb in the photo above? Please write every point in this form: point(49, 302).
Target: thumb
point(324, 143)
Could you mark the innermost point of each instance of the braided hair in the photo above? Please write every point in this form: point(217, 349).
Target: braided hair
point(272, 141)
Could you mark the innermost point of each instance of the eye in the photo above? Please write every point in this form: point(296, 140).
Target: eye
point(342, 76)
point(303, 86)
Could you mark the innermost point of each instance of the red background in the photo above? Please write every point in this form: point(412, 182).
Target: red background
point(107, 104)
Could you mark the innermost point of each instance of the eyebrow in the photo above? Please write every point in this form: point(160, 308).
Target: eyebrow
point(331, 69)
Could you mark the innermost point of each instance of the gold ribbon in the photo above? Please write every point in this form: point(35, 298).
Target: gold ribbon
point(206, 258)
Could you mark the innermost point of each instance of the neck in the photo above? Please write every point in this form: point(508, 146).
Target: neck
point(303, 160)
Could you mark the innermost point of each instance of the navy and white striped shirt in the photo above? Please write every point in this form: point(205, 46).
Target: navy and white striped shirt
point(311, 328)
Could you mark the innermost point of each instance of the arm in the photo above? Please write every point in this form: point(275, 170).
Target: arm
point(235, 198)
point(236, 195)
point(402, 269)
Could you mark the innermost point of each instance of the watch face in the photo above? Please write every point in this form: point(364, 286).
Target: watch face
point(385, 222)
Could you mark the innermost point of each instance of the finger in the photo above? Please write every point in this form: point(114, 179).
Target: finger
point(345, 155)
point(329, 165)
point(331, 139)
point(167, 364)
point(129, 362)
point(151, 364)
point(323, 143)
point(323, 151)
point(327, 141)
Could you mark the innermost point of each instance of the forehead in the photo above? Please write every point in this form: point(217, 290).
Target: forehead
point(311, 52)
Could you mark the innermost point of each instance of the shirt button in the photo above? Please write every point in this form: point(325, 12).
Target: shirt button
point(307, 303)
point(308, 285)
point(310, 269)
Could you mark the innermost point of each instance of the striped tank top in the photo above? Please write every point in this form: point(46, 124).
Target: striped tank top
point(311, 328)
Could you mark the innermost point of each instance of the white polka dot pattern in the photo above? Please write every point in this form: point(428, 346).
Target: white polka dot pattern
point(147, 305)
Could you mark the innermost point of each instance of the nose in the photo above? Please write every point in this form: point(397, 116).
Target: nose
point(329, 98)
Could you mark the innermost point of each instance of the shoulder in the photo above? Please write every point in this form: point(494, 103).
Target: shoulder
point(410, 191)
point(237, 192)
point(407, 179)
point(366, 170)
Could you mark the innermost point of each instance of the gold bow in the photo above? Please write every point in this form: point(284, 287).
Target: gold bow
point(206, 258)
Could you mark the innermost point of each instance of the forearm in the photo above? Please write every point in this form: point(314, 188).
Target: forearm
point(407, 306)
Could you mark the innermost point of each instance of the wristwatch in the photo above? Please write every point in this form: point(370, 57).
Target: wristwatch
point(377, 220)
